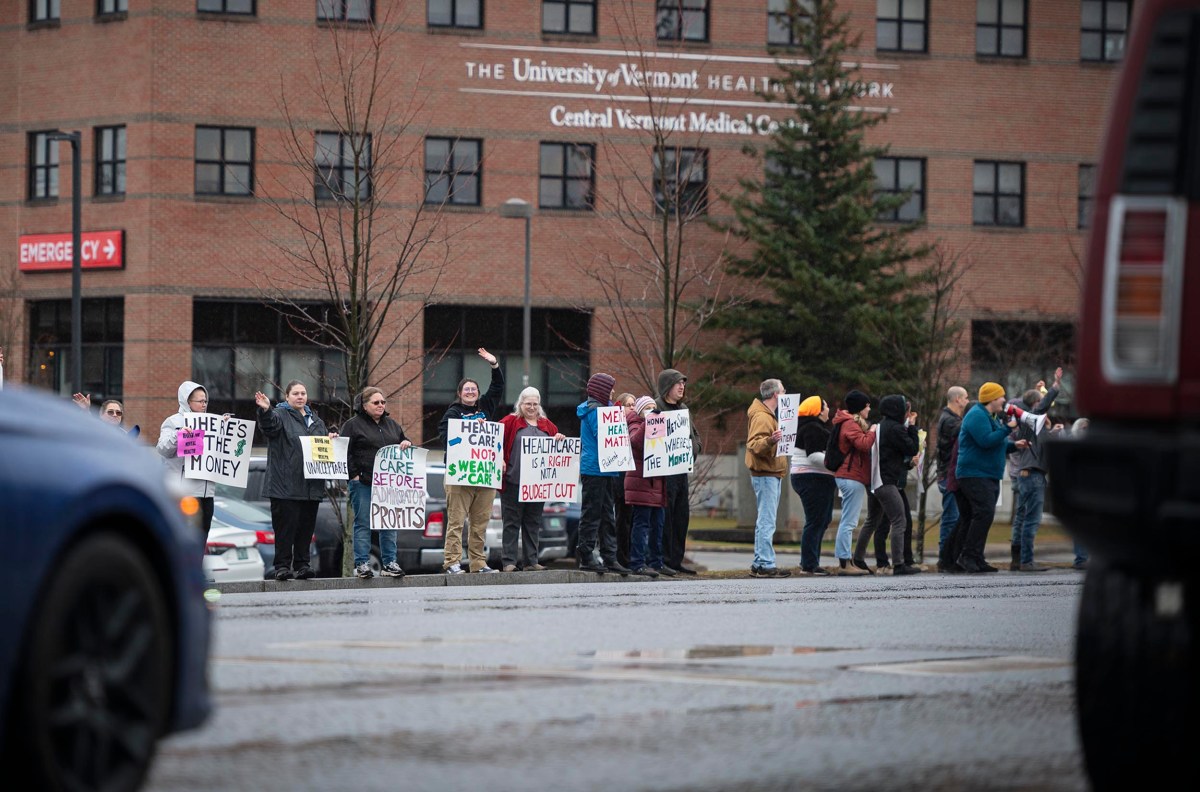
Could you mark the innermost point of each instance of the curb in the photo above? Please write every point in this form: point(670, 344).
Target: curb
point(429, 581)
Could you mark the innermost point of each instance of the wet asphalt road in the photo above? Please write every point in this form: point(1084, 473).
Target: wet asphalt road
point(682, 685)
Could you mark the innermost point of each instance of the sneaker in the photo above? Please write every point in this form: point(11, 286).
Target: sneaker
point(666, 571)
point(645, 572)
point(364, 571)
point(907, 569)
point(769, 572)
point(685, 570)
point(392, 569)
point(617, 567)
point(454, 569)
point(283, 573)
point(1033, 566)
point(535, 568)
point(509, 568)
point(305, 573)
point(819, 572)
point(486, 569)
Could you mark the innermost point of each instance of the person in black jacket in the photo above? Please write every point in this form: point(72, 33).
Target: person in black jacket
point(368, 431)
point(949, 422)
point(898, 444)
point(467, 504)
point(812, 481)
point(294, 498)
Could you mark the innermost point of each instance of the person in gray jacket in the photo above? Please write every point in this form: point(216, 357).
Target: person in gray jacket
point(193, 399)
point(294, 498)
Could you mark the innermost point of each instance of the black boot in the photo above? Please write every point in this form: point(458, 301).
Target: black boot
point(1015, 566)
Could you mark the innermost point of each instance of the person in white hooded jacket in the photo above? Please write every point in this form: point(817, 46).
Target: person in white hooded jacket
point(193, 398)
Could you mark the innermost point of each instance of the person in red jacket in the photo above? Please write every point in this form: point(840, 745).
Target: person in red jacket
point(853, 476)
point(522, 521)
point(647, 497)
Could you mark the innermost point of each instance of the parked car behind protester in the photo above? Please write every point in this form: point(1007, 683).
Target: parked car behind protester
point(95, 544)
point(231, 555)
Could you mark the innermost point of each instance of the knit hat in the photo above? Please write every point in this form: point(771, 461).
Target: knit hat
point(600, 387)
point(811, 406)
point(856, 400)
point(989, 392)
point(642, 403)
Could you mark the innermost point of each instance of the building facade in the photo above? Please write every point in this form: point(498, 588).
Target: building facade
point(213, 137)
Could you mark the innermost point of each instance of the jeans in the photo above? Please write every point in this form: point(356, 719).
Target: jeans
point(853, 495)
point(522, 532)
point(598, 518)
point(1081, 553)
point(1018, 512)
point(360, 501)
point(982, 494)
point(949, 514)
point(645, 537)
point(1033, 497)
point(816, 492)
point(766, 498)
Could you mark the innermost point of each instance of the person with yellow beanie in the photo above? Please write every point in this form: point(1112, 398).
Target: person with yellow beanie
point(983, 443)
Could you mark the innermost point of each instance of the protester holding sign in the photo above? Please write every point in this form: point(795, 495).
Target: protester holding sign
point(813, 481)
point(767, 470)
point(646, 496)
point(369, 430)
point(672, 386)
point(597, 517)
point(193, 398)
point(294, 498)
point(468, 504)
point(522, 521)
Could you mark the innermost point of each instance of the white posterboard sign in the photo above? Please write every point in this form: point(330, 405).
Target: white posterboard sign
point(226, 455)
point(613, 451)
point(325, 457)
point(788, 411)
point(473, 450)
point(398, 489)
point(550, 469)
point(674, 455)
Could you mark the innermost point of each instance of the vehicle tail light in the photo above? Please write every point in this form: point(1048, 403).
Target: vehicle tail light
point(265, 537)
point(435, 525)
point(1142, 289)
point(218, 548)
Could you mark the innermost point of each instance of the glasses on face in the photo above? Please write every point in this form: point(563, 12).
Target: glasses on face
point(197, 401)
point(113, 412)
point(378, 402)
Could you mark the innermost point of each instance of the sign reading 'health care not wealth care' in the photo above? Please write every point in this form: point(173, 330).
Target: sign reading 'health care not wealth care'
point(398, 489)
point(473, 450)
point(223, 453)
point(613, 451)
point(325, 457)
point(550, 469)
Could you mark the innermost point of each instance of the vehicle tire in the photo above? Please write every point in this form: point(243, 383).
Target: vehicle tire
point(1135, 685)
point(97, 671)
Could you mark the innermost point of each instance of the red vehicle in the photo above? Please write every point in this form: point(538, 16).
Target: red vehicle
point(1129, 489)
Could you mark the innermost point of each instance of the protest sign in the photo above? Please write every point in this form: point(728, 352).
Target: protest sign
point(788, 411)
point(549, 469)
point(189, 442)
point(672, 453)
point(325, 457)
point(473, 450)
point(226, 456)
point(398, 489)
point(613, 451)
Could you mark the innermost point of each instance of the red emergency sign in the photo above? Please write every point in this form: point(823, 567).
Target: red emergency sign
point(97, 250)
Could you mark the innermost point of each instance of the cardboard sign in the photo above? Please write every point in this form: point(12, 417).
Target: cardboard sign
point(671, 454)
point(226, 457)
point(325, 457)
point(398, 489)
point(189, 442)
point(473, 450)
point(788, 412)
point(613, 451)
point(550, 469)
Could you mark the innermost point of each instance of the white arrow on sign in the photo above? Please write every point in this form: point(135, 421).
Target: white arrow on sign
point(109, 249)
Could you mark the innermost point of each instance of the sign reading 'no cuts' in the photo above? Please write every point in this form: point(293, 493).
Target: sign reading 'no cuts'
point(473, 451)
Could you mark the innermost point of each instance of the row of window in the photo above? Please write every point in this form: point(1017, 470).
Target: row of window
point(1001, 26)
point(224, 165)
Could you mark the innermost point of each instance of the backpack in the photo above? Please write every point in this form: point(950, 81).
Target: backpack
point(834, 456)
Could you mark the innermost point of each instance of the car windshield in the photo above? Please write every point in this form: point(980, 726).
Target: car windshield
point(239, 511)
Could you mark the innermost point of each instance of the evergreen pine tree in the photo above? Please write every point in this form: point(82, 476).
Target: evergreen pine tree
point(836, 305)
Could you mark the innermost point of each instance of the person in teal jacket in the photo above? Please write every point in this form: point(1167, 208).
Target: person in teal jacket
point(983, 443)
point(597, 542)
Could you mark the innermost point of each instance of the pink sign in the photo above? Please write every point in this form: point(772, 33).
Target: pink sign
point(656, 426)
point(189, 442)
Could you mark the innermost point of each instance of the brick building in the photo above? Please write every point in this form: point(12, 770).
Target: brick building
point(202, 121)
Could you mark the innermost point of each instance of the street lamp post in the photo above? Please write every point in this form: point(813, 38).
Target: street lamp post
point(76, 264)
point(515, 207)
